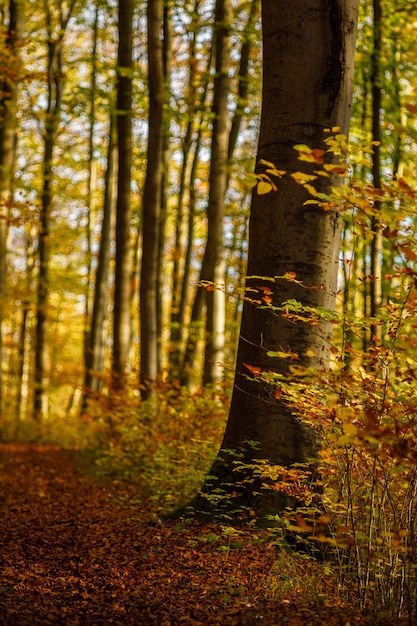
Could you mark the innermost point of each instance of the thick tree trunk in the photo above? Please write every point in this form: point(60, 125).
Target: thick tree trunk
point(150, 279)
point(123, 266)
point(307, 86)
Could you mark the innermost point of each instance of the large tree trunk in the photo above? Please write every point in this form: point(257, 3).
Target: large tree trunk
point(150, 279)
point(123, 268)
point(307, 85)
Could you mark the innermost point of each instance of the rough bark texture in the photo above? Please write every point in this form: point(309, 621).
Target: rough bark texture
point(307, 85)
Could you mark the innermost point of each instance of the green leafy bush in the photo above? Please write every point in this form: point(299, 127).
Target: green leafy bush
point(167, 445)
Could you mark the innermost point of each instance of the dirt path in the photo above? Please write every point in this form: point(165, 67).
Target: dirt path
point(77, 551)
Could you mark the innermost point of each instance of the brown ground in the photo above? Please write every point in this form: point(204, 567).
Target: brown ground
point(78, 551)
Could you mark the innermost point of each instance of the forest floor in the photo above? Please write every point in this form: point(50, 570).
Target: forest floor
point(79, 550)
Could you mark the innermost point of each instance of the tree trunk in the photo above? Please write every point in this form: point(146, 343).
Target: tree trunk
point(375, 286)
point(181, 253)
point(213, 261)
point(189, 352)
point(243, 77)
point(166, 64)
point(54, 102)
point(149, 281)
point(8, 138)
point(91, 183)
point(307, 84)
point(94, 357)
point(123, 266)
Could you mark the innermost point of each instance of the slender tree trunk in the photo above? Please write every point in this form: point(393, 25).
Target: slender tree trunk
point(8, 139)
point(186, 356)
point(91, 180)
point(199, 301)
point(216, 298)
point(151, 210)
point(243, 78)
point(123, 268)
point(53, 112)
point(167, 61)
point(376, 244)
point(179, 255)
point(212, 270)
point(213, 256)
point(94, 357)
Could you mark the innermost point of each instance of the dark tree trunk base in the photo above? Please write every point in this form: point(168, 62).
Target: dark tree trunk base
point(238, 498)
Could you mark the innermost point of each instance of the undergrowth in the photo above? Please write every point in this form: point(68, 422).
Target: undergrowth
point(168, 445)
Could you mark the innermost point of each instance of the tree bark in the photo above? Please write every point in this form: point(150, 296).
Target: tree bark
point(189, 353)
point(151, 210)
point(181, 254)
point(307, 86)
point(8, 140)
point(94, 356)
point(52, 117)
point(91, 182)
point(375, 287)
point(213, 261)
point(123, 265)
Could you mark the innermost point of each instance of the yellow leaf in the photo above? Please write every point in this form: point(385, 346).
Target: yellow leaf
point(263, 187)
point(301, 147)
point(301, 177)
point(336, 168)
point(283, 355)
point(311, 189)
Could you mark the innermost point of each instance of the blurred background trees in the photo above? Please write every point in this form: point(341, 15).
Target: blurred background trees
point(124, 193)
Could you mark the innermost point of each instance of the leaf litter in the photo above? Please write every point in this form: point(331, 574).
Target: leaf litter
point(77, 550)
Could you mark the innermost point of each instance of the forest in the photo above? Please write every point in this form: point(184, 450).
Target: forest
point(208, 302)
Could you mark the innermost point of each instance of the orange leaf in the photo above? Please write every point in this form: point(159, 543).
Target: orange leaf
point(318, 155)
